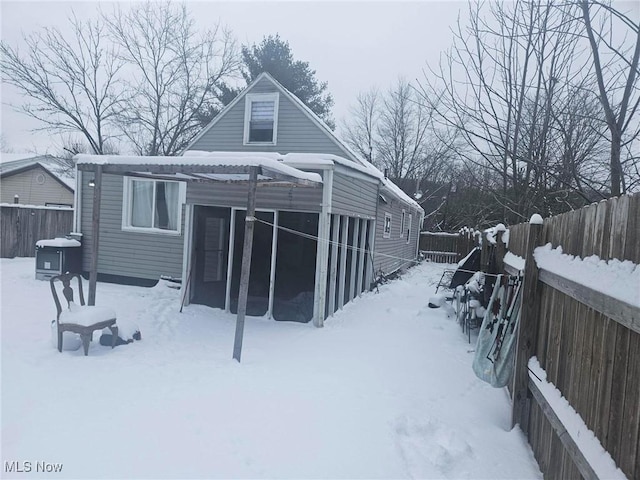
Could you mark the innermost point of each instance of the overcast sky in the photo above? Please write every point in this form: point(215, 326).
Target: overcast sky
point(351, 45)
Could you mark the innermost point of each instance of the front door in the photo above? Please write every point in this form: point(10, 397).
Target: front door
point(212, 253)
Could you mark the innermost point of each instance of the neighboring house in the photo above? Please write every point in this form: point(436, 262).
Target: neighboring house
point(35, 180)
point(180, 217)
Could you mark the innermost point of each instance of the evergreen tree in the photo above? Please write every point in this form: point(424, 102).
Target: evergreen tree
point(273, 55)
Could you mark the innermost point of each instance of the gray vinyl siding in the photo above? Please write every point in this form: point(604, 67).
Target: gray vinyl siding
point(128, 254)
point(297, 133)
point(353, 196)
point(393, 253)
point(25, 185)
point(294, 198)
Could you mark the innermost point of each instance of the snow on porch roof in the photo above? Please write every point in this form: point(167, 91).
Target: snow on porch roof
point(314, 160)
point(200, 163)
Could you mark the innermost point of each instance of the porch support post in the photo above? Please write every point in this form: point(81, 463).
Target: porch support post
point(322, 254)
point(334, 264)
point(272, 274)
point(354, 258)
point(343, 259)
point(232, 239)
point(369, 255)
point(95, 234)
point(249, 225)
point(187, 256)
point(361, 265)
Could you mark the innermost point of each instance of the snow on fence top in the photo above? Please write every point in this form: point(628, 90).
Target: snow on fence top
point(35, 207)
point(590, 447)
point(492, 232)
point(440, 234)
point(516, 261)
point(615, 278)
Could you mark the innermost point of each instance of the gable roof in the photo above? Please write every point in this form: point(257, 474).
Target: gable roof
point(12, 164)
point(351, 159)
point(322, 126)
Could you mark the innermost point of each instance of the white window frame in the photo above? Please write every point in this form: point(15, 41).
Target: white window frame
point(402, 222)
point(127, 192)
point(387, 233)
point(409, 227)
point(260, 97)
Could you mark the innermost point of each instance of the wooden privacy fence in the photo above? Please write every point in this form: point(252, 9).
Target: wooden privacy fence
point(443, 247)
point(23, 226)
point(587, 342)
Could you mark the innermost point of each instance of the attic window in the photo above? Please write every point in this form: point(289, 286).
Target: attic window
point(261, 119)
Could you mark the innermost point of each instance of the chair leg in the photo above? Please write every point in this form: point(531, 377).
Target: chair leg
point(59, 340)
point(114, 335)
point(86, 338)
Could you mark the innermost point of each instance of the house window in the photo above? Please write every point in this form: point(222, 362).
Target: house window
point(409, 227)
point(261, 119)
point(387, 226)
point(152, 205)
point(402, 223)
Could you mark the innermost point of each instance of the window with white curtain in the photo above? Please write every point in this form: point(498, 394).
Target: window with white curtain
point(261, 118)
point(152, 205)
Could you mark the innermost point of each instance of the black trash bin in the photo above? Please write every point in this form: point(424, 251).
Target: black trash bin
point(56, 256)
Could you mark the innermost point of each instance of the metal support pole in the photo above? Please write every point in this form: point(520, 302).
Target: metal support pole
point(246, 262)
point(95, 234)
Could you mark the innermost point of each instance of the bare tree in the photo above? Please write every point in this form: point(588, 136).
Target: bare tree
point(499, 85)
point(174, 72)
point(71, 83)
point(616, 68)
point(360, 130)
point(4, 144)
point(396, 133)
point(402, 132)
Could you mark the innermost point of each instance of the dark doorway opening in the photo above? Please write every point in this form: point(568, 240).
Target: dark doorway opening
point(259, 276)
point(211, 256)
point(295, 266)
point(351, 258)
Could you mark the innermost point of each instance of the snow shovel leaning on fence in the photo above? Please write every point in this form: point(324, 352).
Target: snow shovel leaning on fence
point(493, 361)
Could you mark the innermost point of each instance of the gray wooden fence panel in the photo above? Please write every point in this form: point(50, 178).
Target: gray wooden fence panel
point(22, 227)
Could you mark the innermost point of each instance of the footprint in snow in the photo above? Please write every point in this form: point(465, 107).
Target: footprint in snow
point(430, 447)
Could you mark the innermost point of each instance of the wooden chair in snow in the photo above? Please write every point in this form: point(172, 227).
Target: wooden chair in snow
point(82, 319)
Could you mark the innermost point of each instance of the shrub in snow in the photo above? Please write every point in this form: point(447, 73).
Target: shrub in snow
point(70, 340)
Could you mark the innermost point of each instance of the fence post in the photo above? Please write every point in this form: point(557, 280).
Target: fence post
point(484, 252)
point(500, 252)
point(527, 327)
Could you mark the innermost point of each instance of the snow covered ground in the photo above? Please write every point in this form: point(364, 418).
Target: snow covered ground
point(385, 390)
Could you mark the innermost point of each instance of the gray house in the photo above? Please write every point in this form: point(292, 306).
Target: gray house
point(35, 180)
point(327, 222)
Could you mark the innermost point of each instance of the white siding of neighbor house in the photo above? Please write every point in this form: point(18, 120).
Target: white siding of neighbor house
point(394, 253)
point(296, 131)
point(25, 185)
point(128, 254)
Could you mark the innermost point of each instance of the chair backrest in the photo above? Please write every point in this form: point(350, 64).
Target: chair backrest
point(67, 290)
